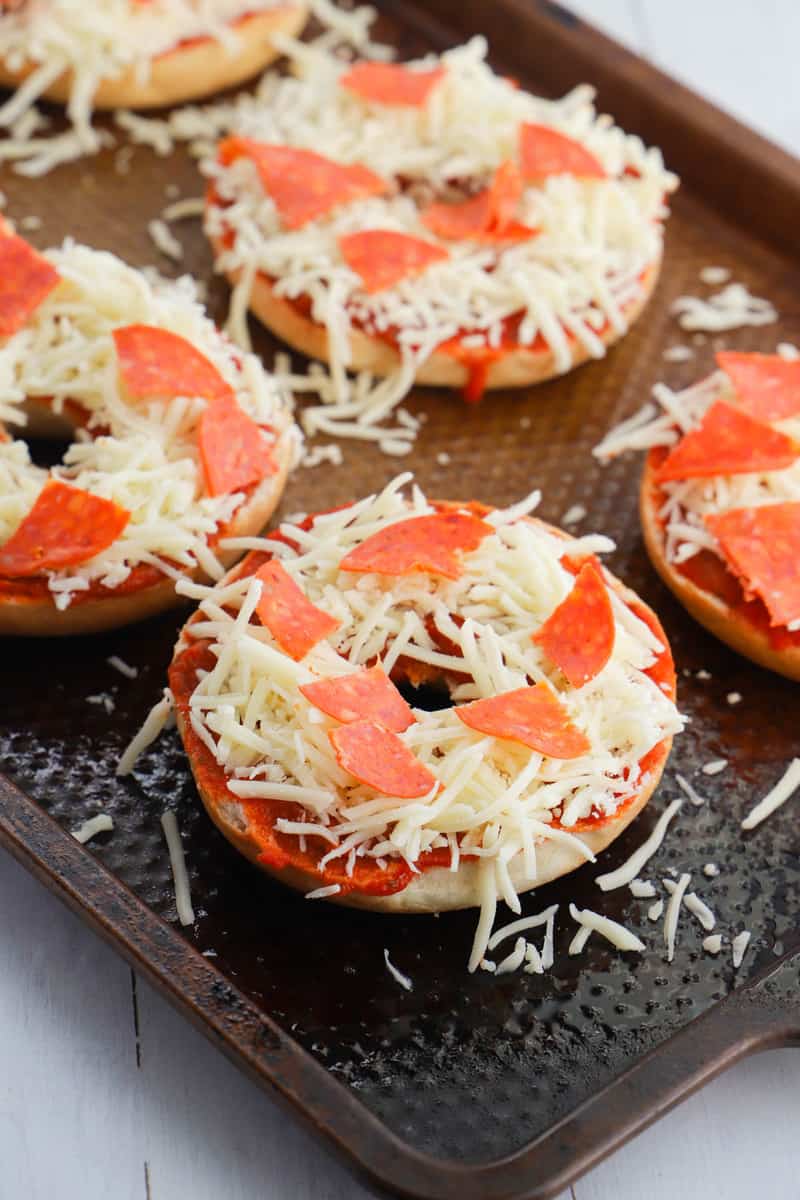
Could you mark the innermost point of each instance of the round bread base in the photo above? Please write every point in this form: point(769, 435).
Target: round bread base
point(712, 612)
point(437, 889)
point(518, 368)
point(190, 72)
point(39, 617)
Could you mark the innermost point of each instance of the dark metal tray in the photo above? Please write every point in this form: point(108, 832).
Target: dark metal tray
point(466, 1086)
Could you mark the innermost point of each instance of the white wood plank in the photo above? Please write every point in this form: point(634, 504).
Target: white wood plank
point(742, 55)
point(736, 1138)
point(209, 1132)
point(67, 1082)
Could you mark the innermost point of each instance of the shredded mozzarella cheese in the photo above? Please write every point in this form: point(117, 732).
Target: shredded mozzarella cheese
point(180, 875)
point(498, 800)
point(627, 873)
point(783, 790)
point(102, 823)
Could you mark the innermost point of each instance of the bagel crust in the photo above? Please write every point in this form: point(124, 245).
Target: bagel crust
point(436, 888)
point(520, 366)
point(731, 624)
point(190, 71)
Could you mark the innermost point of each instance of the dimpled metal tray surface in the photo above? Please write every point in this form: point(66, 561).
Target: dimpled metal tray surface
point(468, 1086)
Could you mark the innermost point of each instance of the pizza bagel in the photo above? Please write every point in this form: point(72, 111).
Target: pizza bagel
point(425, 245)
point(720, 502)
point(411, 706)
point(140, 53)
point(178, 443)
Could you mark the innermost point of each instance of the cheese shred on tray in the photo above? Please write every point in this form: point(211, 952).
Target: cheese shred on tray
point(418, 706)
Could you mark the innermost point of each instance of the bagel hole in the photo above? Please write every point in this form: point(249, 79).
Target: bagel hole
point(428, 696)
point(48, 452)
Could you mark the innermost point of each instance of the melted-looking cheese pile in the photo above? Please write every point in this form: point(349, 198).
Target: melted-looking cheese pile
point(96, 41)
point(576, 277)
point(146, 458)
point(688, 501)
point(497, 798)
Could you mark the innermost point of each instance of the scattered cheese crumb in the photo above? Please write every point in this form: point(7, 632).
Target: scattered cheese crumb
point(630, 869)
point(713, 944)
point(574, 515)
point(715, 275)
point(160, 716)
point(164, 239)
point(514, 960)
point(102, 823)
point(739, 946)
point(642, 889)
point(402, 979)
point(678, 354)
point(31, 223)
point(698, 908)
point(124, 668)
point(732, 308)
point(673, 911)
point(655, 911)
point(332, 453)
point(177, 861)
point(734, 698)
point(715, 766)
point(524, 422)
point(486, 964)
point(703, 674)
point(578, 943)
point(696, 799)
point(103, 698)
point(322, 893)
point(788, 350)
point(612, 931)
point(443, 458)
point(784, 788)
point(179, 210)
point(711, 870)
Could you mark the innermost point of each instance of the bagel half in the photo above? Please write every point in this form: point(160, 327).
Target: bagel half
point(741, 624)
point(520, 366)
point(191, 71)
point(27, 608)
point(436, 888)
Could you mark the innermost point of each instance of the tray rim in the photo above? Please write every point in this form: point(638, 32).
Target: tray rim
point(742, 1023)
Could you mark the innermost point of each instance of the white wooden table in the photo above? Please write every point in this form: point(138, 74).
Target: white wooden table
point(106, 1094)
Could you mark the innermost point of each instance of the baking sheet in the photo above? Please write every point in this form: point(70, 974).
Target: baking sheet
point(466, 1070)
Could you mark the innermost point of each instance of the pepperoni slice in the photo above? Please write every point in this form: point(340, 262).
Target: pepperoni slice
point(382, 258)
point(364, 695)
point(579, 635)
point(533, 716)
point(157, 362)
point(302, 184)
point(487, 217)
point(65, 527)
point(232, 448)
point(295, 623)
point(728, 442)
point(762, 548)
point(544, 151)
point(431, 544)
point(767, 386)
point(379, 758)
point(392, 83)
point(26, 280)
